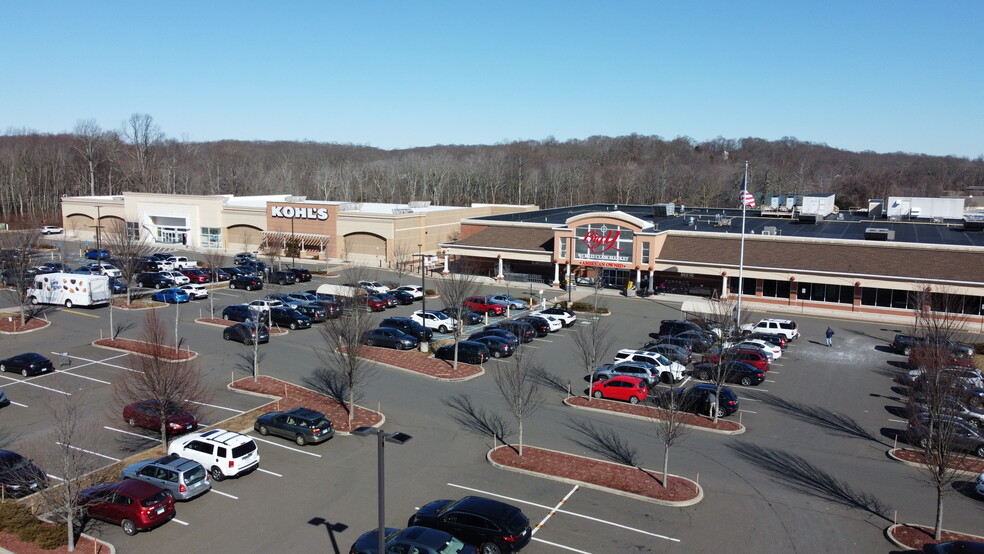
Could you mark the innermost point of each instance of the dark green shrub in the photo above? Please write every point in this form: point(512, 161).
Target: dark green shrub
point(50, 537)
point(430, 292)
point(14, 517)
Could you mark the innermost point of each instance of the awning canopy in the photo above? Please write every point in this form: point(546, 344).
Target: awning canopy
point(306, 239)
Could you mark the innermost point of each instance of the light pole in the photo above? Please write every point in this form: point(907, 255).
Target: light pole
point(423, 287)
point(98, 226)
point(397, 438)
point(292, 262)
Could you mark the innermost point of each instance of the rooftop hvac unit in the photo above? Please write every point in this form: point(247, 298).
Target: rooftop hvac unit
point(420, 204)
point(769, 231)
point(399, 211)
point(350, 207)
point(878, 233)
point(663, 210)
point(296, 199)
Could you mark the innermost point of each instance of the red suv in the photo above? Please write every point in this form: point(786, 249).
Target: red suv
point(754, 358)
point(196, 275)
point(134, 505)
point(483, 305)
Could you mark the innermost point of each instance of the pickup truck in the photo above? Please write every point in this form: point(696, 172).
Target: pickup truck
point(181, 262)
point(905, 344)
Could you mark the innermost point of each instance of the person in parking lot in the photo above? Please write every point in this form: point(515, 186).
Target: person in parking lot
point(830, 335)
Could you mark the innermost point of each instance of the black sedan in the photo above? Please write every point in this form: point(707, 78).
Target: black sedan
point(154, 281)
point(539, 324)
point(402, 297)
point(18, 476)
point(498, 346)
point(302, 275)
point(733, 371)
point(504, 528)
point(246, 333)
point(289, 317)
point(501, 333)
point(420, 540)
point(466, 316)
point(28, 364)
point(390, 338)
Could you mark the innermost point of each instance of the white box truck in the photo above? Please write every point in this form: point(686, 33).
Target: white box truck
point(70, 289)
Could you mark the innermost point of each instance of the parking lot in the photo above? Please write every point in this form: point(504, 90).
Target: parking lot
point(810, 473)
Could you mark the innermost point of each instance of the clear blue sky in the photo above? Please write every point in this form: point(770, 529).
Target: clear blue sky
point(864, 75)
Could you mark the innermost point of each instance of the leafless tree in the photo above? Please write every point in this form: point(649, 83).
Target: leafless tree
point(454, 288)
point(721, 316)
point(403, 256)
point(521, 389)
point(90, 140)
point(251, 360)
point(171, 386)
point(343, 368)
point(272, 254)
point(122, 238)
point(213, 259)
point(18, 253)
point(669, 426)
point(938, 316)
point(591, 344)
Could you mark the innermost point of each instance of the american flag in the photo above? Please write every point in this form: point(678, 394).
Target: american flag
point(746, 197)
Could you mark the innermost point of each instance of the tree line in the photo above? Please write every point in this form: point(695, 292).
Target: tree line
point(36, 169)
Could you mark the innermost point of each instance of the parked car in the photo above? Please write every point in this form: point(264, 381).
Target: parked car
point(511, 301)
point(501, 333)
point(217, 274)
point(223, 453)
point(316, 312)
point(288, 317)
point(196, 275)
point(257, 268)
point(247, 282)
point(416, 539)
point(566, 317)
point(469, 352)
point(183, 478)
point(4, 401)
point(178, 277)
point(301, 275)
point(774, 352)
point(103, 268)
point(674, 327)
point(265, 304)
point(301, 425)
point(285, 299)
point(246, 333)
point(19, 476)
point(97, 254)
point(700, 341)
point(960, 389)
point(777, 340)
point(641, 370)
point(234, 271)
point(523, 330)
point(195, 292)
point(28, 364)
point(484, 305)
point(171, 296)
point(498, 346)
point(553, 323)
point(755, 358)
point(237, 312)
point(373, 287)
point(416, 290)
point(117, 286)
point(622, 387)
point(685, 344)
point(733, 371)
point(243, 257)
point(283, 277)
point(154, 280)
point(439, 321)
point(409, 327)
point(162, 256)
point(950, 406)
point(132, 504)
point(388, 299)
point(699, 398)
point(467, 316)
point(540, 325)
point(785, 327)
point(933, 356)
point(52, 230)
point(146, 415)
point(669, 372)
point(371, 303)
point(58, 267)
point(492, 525)
point(389, 338)
point(403, 297)
point(965, 436)
point(669, 351)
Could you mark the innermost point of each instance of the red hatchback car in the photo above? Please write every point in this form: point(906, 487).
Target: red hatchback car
point(621, 387)
point(132, 504)
point(196, 275)
point(483, 305)
point(145, 414)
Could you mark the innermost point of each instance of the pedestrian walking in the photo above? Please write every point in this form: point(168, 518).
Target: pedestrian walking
point(830, 335)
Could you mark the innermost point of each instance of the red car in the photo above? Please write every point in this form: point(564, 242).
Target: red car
point(927, 356)
point(483, 305)
point(132, 504)
point(144, 414)
point(754, 358)
point(196, 275)
point(621, 387)
point(374, 303)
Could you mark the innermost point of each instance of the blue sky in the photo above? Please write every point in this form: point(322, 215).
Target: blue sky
point(883, 76)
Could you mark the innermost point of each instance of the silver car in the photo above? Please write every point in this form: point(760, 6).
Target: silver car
point(185, 478)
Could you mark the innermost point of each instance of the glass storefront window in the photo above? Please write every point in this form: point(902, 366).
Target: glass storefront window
point(211, 237)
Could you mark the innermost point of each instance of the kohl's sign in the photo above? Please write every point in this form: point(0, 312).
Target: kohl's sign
point(603, 243)
point(290, 212)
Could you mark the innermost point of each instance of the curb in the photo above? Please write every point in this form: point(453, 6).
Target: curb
point(891, 537)
point(274, 331)
point(436, 378)
point(114, 349)
point(738, 431)
point(45, 326)
point(669, 503)
point(382, 416)
point(922, 465)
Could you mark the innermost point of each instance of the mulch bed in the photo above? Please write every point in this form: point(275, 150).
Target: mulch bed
point(136, 304)
point(141, 347)
point(968, 464)
point(292, 396)
point(229, 323)
point(420, 362)
point(915, 536)
point(642, 410)
point(10, 323)
point(14, 544)
point(597, 472)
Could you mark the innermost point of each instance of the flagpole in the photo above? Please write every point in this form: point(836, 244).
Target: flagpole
point(741, 256)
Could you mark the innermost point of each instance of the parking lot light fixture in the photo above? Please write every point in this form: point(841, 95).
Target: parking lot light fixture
point(383, 437)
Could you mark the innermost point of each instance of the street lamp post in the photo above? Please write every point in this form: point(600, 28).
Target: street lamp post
point(292, 240)
point(383, 437)
point(98, 226)
point(423, 287)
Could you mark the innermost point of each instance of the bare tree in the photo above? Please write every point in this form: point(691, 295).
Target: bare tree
point(591, 344)
point(122, 238)
point(90, 140)
point(213, 259)
point(18, 253)
point(669, 426)
point(344, 370)
point(454, 288)
point(251, 360)
point(728, 331)
point(521, 389)
point(403, 256)
point(171, 386)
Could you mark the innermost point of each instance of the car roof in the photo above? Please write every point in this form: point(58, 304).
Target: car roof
point(493, 509)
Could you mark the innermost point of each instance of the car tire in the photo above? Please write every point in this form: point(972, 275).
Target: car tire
point(979, 451)
point(226, 336)
point(443, 329)
point(232, 285)
point(225, 317)
point(923, 442)
point(248, 288)
point(746, 381)
point(131, 422)
point(975, 401)
point(496, 354)
point(633, 400)
point(300, 440)
point(293, 326)
point(369, 342)
point(666, 378)
point(216, 473)
point(24, 372)
point(264, 430)
point(598, 394)
point(704, 375)
point(34, 300)
point(129, 527)
point(68, 304)
point(907, 351)
point(489, 548)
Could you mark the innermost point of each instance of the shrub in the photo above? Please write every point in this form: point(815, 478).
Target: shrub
point(430, 292)
point(50, 537)
point(14, 517)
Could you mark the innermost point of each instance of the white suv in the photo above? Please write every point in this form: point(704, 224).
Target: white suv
point(784, 327)
point(668, 371)
point(439, 321)
point(223, 453)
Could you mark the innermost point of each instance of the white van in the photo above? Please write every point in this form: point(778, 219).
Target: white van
point(70, 289)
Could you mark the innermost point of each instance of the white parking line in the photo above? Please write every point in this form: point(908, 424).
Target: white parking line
point(225, 494)
point(747, 412)
point(176, 520)
point(897, 421)
point(130, 433)
point(18, 404)
point(94, 362)
point(28, 382)
point(287, 447)
point(55, 477)
point(216, 293)
point(554, 510)
point(86, 377)
point(270, 472)
point(88, 451)
point(216, 407)
point(575, 514)
point(543, 340)
point(560, 546)
point(750, 399)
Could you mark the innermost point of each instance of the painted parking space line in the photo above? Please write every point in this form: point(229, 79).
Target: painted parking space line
point(770, 380)
point(90, 362)
point(751, 399)
point(176, 520)
point(87, 451)
point(85, 377)
point(747, 412)
point(216, 293)
point(125, 432)
point(574, 514)
point(18, 404)
point(55, 477)
point(559, 546)
point(224, 494)
point(217, 407)
point(287, 447)
point(268, 471)
point(554, 510)
point(897, 421)
point(67, 311)
point(543, 340)
point(13, 381)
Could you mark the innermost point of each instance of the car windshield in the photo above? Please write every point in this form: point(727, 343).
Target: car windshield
point(14, 461)
point(452, 547)
point(195, 475)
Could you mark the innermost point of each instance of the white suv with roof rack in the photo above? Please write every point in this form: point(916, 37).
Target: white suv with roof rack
point(223, 453)
point(784, 327)
point(669, 372)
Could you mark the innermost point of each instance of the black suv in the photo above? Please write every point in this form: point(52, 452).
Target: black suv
point(302, 275)
point(283, 277)
point(240, 312)
point(19, 476)
point(154, 281)
point(492, 525)
point(301, 425)
point(289, 317)
point(469, 352)
point(523, 331)
point(409, 327)
point(245, 282)
point(539, 324)
point(697, 399)
point(315, 310)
